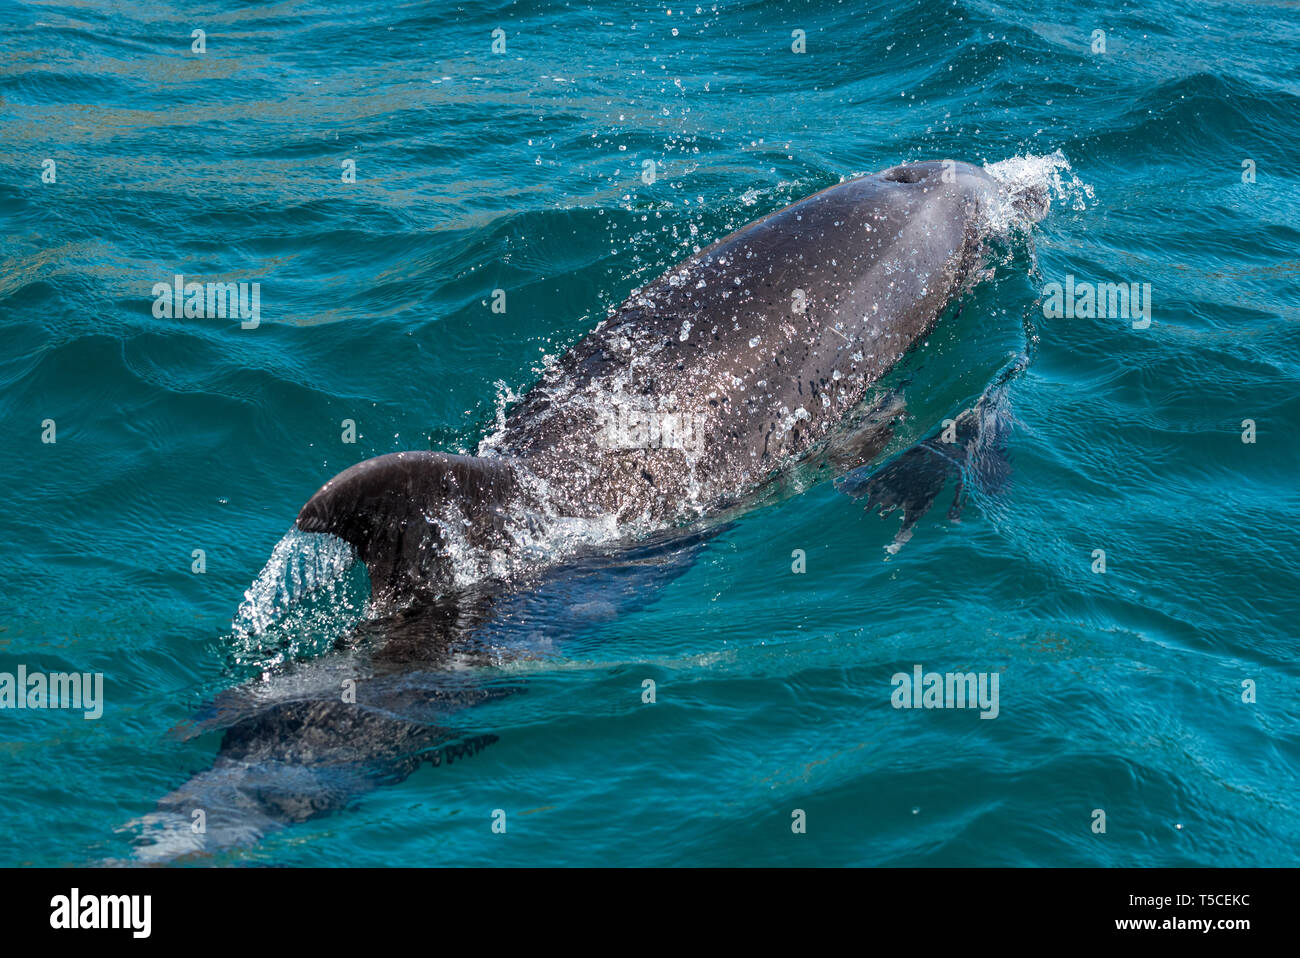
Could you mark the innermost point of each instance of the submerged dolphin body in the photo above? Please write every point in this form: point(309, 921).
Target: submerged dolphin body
point(312, 735)
point(754, 358)
point(694, 394)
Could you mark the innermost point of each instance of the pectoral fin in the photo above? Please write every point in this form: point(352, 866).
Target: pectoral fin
point(971, 449)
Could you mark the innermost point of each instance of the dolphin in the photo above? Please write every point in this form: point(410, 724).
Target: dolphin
point(690, 398)
point(704, 393)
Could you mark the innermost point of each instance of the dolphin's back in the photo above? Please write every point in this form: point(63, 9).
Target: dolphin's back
point(746, 354)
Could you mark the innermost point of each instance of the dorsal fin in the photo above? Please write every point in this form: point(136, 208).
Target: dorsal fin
point(402, 511)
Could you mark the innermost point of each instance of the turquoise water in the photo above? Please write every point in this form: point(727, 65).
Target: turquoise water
point(522, 171)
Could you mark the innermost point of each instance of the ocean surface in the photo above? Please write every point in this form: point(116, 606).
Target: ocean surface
point(1163, 692)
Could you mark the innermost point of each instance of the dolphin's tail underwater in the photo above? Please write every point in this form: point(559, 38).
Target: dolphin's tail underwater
point(400, 691)
point(294, 761)
point(311, 736)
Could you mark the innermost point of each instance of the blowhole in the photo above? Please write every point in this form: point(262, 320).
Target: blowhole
point(904, 174)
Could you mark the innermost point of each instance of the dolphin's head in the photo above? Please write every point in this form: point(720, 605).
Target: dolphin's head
point(950, 183)
point(1001, 202)
point(934, 216)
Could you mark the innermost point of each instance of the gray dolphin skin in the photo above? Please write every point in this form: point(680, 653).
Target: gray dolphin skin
point(742, 359)
point(691, 402)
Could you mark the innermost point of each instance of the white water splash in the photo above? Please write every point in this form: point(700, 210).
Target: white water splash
point(276, 612)
point(505, 398)
point(1031, 183)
